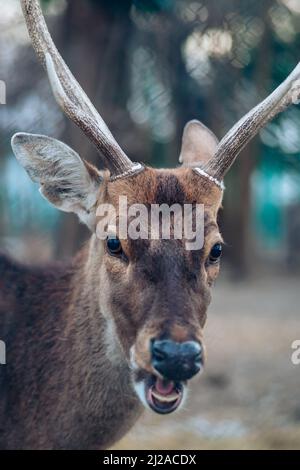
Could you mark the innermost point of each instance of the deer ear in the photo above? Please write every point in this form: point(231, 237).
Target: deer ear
point(66, 181)
point(198, 144)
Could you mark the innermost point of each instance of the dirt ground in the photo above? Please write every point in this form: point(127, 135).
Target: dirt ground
point(249, 395)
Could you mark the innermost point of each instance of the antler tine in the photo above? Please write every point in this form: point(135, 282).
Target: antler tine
point(70, 96)
point(245, 129)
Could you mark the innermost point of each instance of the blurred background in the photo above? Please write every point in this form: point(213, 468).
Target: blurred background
point(149, 66)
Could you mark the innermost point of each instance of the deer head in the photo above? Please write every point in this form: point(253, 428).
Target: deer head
point(154, 293)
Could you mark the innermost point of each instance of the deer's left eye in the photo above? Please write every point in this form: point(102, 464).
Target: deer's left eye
point(114, 245)
point(215, 253)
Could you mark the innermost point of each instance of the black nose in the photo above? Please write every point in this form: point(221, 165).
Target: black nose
point(176, 361)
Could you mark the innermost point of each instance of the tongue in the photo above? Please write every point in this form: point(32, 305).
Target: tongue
point(164, 387)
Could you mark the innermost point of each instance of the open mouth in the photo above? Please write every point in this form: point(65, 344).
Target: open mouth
point(162, 395)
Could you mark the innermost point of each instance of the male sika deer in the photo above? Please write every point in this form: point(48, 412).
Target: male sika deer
point(122, 325)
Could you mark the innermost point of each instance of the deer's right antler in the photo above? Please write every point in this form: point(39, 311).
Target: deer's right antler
point(71, 97)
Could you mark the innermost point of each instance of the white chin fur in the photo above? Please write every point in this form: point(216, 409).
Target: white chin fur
point(139, 388)
point(133, 364)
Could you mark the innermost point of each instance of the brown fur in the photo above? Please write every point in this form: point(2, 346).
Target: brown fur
point(69, 329)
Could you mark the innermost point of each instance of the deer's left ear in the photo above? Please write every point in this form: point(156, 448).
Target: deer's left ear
point(198, 144)
point(66, 181)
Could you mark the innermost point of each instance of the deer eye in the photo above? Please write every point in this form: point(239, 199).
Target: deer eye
point(114, 245)
point(215, 253)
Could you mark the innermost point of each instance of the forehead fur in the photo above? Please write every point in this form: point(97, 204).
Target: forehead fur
point(152, 186)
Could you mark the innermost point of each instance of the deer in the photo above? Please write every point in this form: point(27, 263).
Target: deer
point(92, 342)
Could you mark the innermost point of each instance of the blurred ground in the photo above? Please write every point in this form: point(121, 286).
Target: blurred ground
point(248, 397)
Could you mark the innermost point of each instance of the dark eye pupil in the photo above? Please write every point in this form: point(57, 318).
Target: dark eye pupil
point(216, 252)
point(114, 245)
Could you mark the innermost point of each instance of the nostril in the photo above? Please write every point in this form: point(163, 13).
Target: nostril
point(158, 353)
point(192, 350)
point(198, 356)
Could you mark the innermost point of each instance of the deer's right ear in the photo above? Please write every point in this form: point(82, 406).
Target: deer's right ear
point(198, 144)
point(66, 181)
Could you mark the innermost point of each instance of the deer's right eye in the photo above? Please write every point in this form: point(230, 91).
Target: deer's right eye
point(114, 246)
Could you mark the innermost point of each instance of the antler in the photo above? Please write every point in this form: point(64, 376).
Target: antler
point(247, 127)
point(70, 96)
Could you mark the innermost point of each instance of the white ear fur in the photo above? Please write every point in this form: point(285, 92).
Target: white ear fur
point(66, 181)
point(198, 144)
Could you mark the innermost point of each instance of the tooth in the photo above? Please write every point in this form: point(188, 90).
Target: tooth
point(165, 398)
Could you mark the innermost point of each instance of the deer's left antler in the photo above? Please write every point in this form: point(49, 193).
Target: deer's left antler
point(248, 126)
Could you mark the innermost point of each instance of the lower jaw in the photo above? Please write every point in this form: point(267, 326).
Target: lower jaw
point(160, 406)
